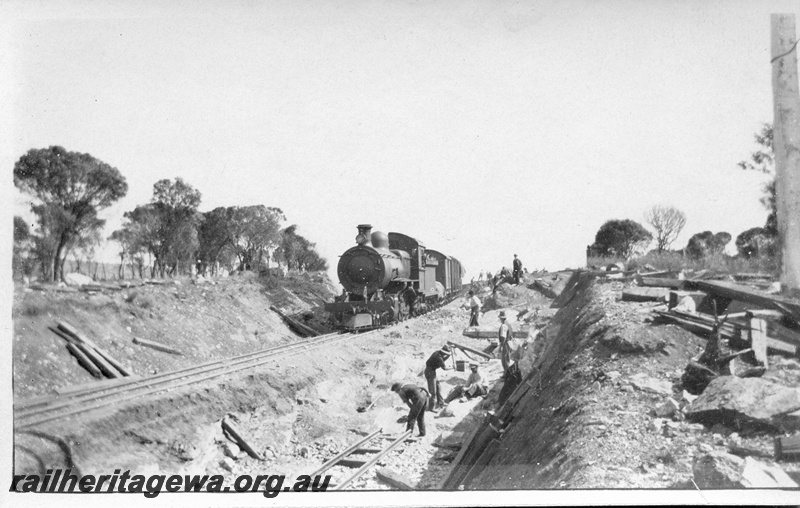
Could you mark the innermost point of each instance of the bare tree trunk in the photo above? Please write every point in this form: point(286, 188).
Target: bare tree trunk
point(786, 146)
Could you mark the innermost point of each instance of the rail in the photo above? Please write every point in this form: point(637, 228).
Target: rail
point(343, 458)
point(42, 410)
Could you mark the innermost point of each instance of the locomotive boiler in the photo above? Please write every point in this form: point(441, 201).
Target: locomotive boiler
point(389, 278)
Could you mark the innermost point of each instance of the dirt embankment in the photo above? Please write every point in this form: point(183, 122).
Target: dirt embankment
point(297, 412)
point(588, 420)
point(216, 319)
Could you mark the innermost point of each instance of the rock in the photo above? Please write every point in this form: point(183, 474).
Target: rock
point(614, 374)
point(758, 475)
point(668, 408)
point(756, 402)
point(304, 452)
point(688, 397)
point(77, 279)
point(445, 413)
point(717, 470)
point(646, 383)
point(720, 429)
point(656, 425)
point(227, 464)
point(449, 440)
point(720, 470)
point(230, 450)
point(633, 339)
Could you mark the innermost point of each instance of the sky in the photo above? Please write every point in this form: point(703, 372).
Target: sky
point(483, 128)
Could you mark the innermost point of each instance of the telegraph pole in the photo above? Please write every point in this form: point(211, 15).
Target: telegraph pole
point(786, 147)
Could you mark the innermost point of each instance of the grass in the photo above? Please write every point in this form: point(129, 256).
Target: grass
point(675, 262)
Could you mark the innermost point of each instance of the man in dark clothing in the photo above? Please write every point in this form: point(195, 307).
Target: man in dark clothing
point(436, 361)
point(415, 398)
point(517, 266)
point(511, 352)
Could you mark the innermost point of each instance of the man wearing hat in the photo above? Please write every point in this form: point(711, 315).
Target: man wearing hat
point(475, 386)
point(511, 351)
point(517, 269)
point(474, 308)
point(416, 399)
point(436, 361)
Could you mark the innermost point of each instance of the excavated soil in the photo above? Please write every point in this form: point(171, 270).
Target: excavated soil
point(584, 425)
point(587, 423)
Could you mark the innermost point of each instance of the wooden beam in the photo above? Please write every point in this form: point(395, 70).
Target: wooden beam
point(492, 334)
point(471, 350)
point(481, 462)
point(354, 463)
point(79, 337)
point(735, 291)
point(394, 479)
point(101, 362)
point(649, 294)
point(654, 282)
point(787, 446)
point(84, 360)
point(758, 340)
point(229, 427)
point(366, 450)
point(156, 345)
point(786, 146)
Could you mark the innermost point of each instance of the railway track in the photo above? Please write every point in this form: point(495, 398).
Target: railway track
point(33, 412)
point(352, 457)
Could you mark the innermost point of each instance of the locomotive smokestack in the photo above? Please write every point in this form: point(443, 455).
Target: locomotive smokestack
point(364, 231)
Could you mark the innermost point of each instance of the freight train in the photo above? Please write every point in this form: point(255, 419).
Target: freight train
point(389, 278)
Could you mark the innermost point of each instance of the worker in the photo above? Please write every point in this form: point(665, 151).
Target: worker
point(416, 399)
point(511, 351)
point(474, 304)
point(505, 331)
point(517, 269)
point(436, 361)
point(475, 386)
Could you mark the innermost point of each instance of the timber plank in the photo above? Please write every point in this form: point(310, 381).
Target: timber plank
point(156, 345)
point(745, 294)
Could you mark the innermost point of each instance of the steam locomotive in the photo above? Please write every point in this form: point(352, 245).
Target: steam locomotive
point(389, 278)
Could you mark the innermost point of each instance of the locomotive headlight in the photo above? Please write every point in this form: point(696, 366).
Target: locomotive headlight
point(361, 239)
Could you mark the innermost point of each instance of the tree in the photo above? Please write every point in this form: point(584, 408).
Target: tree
point(621, 238)
point(756, 242)
point(250, 232)
point(70, 189)
point(763, 161)
point(707, 243)
point(297, 252)
point(22, 261)
point(667, 222)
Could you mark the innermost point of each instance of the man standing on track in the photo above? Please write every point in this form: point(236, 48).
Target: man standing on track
point(517, 266)
point(474, 308)
point(416, 399)
point(436, 361)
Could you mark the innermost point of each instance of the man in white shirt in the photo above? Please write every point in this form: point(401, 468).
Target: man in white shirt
point(475, 386)
point(474, 308)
